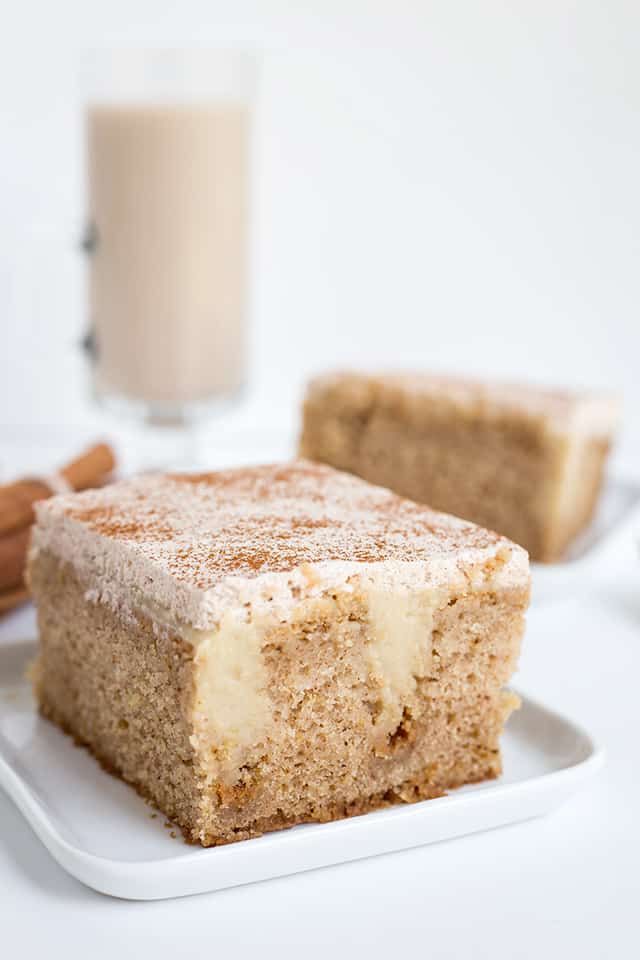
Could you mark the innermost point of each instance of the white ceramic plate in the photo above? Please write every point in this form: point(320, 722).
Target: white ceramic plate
point(99, 830)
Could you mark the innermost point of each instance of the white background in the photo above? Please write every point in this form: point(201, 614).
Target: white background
point(450, 185)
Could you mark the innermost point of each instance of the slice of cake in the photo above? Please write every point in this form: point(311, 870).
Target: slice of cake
point(526, 462)
point(263, 647)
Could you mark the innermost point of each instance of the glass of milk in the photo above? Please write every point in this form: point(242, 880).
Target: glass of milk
point(167, 141)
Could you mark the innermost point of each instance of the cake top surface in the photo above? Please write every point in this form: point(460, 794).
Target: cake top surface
point(188, 542)
point(561, 409)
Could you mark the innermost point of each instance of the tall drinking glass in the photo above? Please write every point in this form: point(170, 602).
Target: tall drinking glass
point(167, 139)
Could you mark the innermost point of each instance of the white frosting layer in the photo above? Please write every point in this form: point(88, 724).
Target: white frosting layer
point(258, 540)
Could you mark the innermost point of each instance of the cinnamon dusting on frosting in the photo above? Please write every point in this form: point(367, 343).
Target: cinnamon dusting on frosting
point(269, 519)
point(194, 542)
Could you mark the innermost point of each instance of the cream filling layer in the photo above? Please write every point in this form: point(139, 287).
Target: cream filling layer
point(232, 709)
point(400, 650)
point(232, 712)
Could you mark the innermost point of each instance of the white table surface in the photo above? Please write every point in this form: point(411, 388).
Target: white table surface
point(563, 886)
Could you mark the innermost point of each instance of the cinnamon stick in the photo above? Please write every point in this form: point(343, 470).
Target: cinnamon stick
point(16, 503)
point(9, 599)
point(17, 499)
point(13, 552)
point(17, 513)
point(87, 471)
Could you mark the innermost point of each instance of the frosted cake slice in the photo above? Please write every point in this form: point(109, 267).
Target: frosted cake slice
point(526, 461)
point(262, 647)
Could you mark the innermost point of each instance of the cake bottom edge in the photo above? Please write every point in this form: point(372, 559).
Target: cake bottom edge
point(412, 790)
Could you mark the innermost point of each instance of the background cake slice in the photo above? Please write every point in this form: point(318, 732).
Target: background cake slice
point(257, 648)
point(527, 462)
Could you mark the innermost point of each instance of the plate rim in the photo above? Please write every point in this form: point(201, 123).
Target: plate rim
point(114, 877)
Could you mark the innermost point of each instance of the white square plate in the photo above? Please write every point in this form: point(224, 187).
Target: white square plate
point(102, 833)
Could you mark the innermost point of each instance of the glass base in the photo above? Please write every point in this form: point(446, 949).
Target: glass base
point(167, 415)
point(164, 436)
